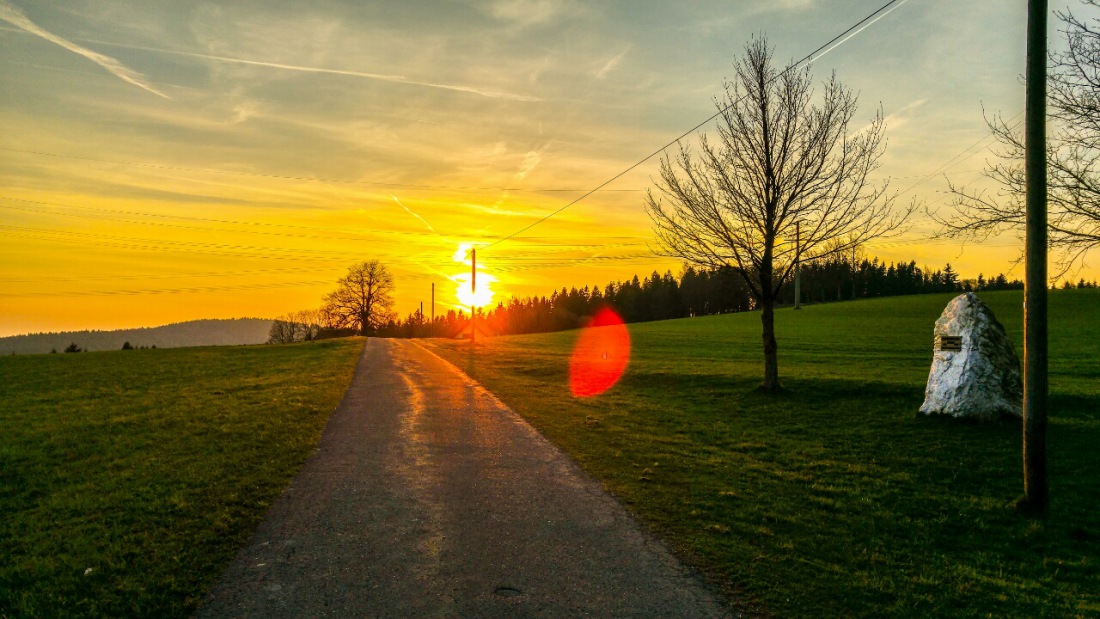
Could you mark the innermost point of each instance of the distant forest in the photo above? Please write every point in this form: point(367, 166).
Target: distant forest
point(697, 293)
point(211, 332)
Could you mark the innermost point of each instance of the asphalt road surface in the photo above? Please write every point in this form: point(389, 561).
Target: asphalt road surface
point(430, 498)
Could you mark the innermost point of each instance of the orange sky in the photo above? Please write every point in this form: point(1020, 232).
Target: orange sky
point(178, 161)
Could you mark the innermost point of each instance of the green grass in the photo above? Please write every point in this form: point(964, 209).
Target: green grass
point(129, 479)
point(833, 498)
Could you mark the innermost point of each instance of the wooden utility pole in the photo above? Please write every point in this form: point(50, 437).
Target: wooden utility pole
point(797, 265)
point(433, 310)
point(473, 290)
point(1035, 284)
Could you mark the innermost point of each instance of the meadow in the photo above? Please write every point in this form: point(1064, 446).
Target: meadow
point(129, 479)
point(832, 498)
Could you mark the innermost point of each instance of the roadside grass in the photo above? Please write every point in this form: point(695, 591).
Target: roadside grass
point(832, 498)
point(129, 479)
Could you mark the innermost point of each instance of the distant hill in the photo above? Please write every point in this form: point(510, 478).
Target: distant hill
point(215, 332)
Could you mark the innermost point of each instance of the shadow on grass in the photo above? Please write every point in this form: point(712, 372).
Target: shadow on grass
point(832, 497)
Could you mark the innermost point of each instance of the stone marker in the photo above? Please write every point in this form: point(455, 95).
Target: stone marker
point(975, 371)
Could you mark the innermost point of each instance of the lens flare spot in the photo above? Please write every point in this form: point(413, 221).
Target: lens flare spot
point(600, 355)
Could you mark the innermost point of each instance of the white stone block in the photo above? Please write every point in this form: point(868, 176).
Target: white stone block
point(982, 378)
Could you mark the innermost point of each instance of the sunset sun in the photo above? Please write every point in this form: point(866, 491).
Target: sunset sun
point(467, 294)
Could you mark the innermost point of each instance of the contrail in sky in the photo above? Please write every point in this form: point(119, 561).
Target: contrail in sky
point(17, 18)
point(385, 77)
point(400, 79)
point(424, 221)
point(855, 32)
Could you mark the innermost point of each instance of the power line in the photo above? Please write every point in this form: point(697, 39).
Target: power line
point(209, 219)
point(200, 244)
point(96, 214)
point(511, 263)
point(957, 159)
point(182, 248)
point(805, 59)
point(541, 252)
point(312, 179)
point(182, 290)
point(143, 276)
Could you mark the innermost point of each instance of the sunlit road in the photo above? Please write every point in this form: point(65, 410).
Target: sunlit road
point(430, 498)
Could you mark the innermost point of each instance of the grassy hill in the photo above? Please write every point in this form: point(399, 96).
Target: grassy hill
point(129, 479)
point(834, 498)
point(210, 332)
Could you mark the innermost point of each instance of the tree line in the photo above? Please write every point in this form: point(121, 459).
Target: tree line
point(696, 292)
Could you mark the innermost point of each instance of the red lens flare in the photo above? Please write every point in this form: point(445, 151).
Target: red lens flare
point(600, 355)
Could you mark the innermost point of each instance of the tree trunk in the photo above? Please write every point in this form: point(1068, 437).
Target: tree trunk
point(767, 317)
point(771, 349)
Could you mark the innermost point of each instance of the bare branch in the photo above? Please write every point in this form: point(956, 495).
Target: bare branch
point(780, 158)
point(1073, 160)
point(783, 157)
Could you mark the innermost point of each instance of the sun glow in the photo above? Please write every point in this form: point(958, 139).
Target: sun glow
point(481, 297)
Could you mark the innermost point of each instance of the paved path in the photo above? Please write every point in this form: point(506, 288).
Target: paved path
point(430, 498)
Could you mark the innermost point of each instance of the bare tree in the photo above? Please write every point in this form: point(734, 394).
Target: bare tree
point(308, 323)
point(1073, 160)
point(282, 331)
point(781, 161)
point(363, 298)
point(300, 326)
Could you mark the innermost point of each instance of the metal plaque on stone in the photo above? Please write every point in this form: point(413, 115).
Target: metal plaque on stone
point(949, 343)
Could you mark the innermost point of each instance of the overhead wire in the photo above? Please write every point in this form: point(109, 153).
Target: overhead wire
point(507, 263)
point(214, 220)
point(958, 158)
point(144, 276)
point(807, 58)
point(180, 290)
point(311, 179)
point(161, 224)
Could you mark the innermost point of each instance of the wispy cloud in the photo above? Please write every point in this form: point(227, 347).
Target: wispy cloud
point(17, 18)
point(243, 108)
point(401, 79)
point(901, 117)
point(790, 5)
point(531, 12)
point(611, 64)
point(531, 160)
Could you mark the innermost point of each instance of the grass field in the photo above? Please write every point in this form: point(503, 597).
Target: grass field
point(833, 498)
point(129, 479)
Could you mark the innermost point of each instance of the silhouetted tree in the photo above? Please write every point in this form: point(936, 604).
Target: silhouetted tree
point(950, 278)
point(781, 160)
point(1073, 158)
point(363, 298)
point(73, 348)
point(282, 331)
point(300, 326)
point(127, 346)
